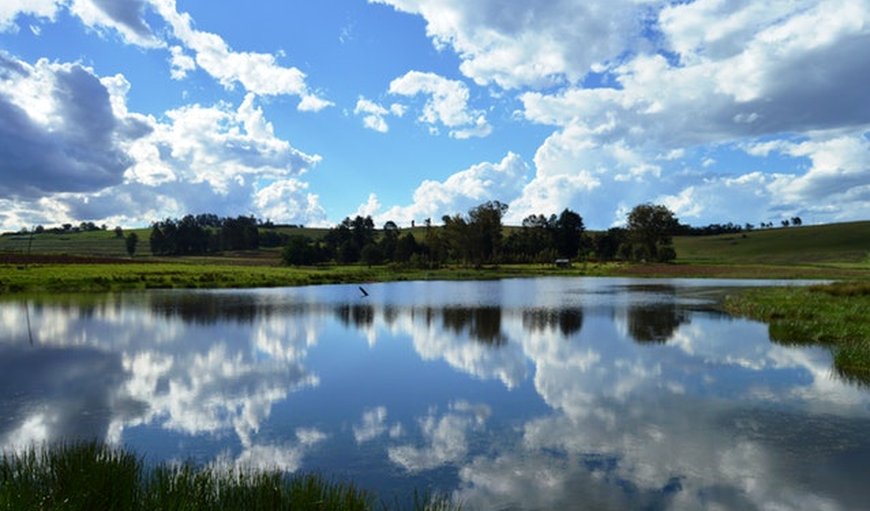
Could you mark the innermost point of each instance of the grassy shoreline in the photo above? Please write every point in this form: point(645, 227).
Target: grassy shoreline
point(834, 315)
point(191, 274)
point(92, 475)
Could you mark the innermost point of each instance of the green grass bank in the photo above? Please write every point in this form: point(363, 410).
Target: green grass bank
point(835, 315)
point(92, 476)
point(70, 277)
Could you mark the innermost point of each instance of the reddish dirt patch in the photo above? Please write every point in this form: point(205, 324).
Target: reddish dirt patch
point(63, 259)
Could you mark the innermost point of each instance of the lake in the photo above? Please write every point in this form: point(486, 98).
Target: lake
point(547, 393)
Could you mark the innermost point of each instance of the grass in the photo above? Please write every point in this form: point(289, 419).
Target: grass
point(834, 315)
point(843, 244)
point(91, 476)
point(234, 273)
point(198, 274)
point(92, 243)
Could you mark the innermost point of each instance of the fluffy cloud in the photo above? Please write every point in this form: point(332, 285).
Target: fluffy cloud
point(374, 115)
point(73, 151)
point(60, 131)
point(258, 73)
point(518, 44)
point(459, 192)
point(735, 82)
point(181, 63)
point(11, 9)
point(447, 103)
point(288, 200)
point(124, 16)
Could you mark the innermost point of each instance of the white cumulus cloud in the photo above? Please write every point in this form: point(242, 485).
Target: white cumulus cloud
point(461, 191)
point(11, 9)
point(259, 73)
point(73, 151)
point(447, 103)
point(516, 44)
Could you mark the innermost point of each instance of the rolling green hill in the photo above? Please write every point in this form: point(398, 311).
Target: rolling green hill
point(843, 243)
point(92, 243)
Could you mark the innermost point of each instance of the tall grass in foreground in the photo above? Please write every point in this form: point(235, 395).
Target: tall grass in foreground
point(834, 315)
point(93, 476)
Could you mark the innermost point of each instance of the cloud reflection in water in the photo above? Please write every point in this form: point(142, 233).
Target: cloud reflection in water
point(546, 394)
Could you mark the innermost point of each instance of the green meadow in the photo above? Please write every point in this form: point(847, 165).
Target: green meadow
point(845, 245)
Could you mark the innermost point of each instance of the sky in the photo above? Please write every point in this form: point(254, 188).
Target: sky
point(124, 112)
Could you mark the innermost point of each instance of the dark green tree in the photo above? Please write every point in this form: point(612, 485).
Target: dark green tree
point(131, 241)
point(240, 233)
point(485, 231)
point(406, 247)
point(607, 244)
point(390, 240)
point(568, 234)
point(456, 237)
point(372, 254)
point(650, 229)
point(300, 251)
point(157, 240)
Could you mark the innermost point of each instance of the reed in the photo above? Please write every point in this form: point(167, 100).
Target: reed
point(92, 475)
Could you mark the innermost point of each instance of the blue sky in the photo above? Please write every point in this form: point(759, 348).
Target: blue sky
point(127, 111)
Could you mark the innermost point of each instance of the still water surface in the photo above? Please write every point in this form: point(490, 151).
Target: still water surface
point(550, 393)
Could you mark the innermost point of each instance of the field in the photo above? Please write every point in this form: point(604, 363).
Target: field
point(840, 245)
point(92, 243)
point(96, 261)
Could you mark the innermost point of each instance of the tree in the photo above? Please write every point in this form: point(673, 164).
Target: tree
point(240, 233)
point(299, 251)
point(796, 221)
point(131, 241)
point(119, 232)
point(484, 222)
point(456, 238)
point(363, 231)
point(650, 227)
point(568, 234)
point(607, 244)
point(371, 254)
point(390, 240)
point(406, 247)
point(157, 240)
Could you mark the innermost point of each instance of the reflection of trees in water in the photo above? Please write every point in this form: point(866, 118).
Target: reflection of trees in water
point(569, 321)
point(655, 323)
point(391, 314)
point(209, 308)
point(357, 315)
point(483, 323)
point(206, 308)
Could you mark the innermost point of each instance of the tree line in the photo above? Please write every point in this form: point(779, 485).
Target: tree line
point(203, 234)
point(479, 238)
point(473, 239)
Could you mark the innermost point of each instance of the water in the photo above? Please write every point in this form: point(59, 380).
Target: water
point(549, 393)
